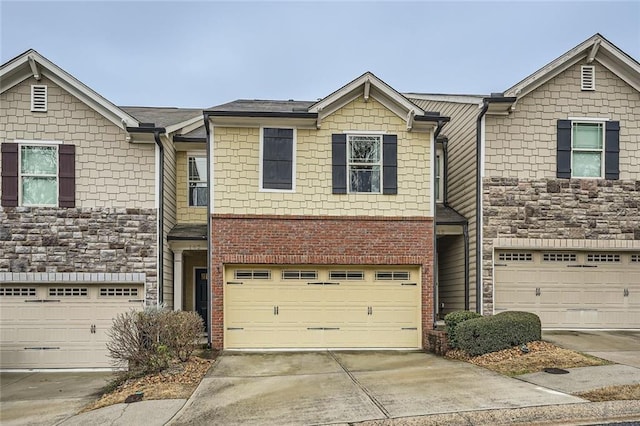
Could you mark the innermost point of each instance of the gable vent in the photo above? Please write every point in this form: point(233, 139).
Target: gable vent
point(588, 77)
point(39, 98)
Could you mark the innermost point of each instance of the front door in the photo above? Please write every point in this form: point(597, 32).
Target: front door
point(202, 301)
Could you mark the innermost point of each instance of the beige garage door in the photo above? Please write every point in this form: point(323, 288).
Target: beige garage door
point(60, 326)
point(570, 289)
point(319, 307)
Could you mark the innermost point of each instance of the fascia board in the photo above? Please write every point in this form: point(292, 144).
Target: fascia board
point(626, 70)
point(187, 125)
point(84, 93)
point(256, 122)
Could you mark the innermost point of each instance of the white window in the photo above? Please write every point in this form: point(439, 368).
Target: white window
point(587, 149)
point(198, 188)
point(38, 182)
point(439, 176)
point(364, 159)
point(39, 98)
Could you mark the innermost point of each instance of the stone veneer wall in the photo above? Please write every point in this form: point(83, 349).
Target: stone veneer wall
point(573, 209)
point(37, 239)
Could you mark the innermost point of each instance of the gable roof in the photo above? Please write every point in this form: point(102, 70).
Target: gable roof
point(32, 64)
point(595, 48)
point(368, 85)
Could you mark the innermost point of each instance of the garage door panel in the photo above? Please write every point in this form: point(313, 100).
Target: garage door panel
point(54, 328)
point(573, 294)
point(329, 313)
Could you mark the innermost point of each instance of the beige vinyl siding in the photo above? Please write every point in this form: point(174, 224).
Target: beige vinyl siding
point(110, 172)
point(523, 144)
point(461, 131)
point(169, 219)
point(236, 169)
point(185, 213)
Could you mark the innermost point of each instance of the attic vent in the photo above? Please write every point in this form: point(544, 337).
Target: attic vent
point(588, 77)
point(39, 98)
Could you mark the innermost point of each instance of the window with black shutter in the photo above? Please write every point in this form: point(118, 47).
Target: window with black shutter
point(38, 175)
point(277, 159)
point(364, 163)
point(588, 149)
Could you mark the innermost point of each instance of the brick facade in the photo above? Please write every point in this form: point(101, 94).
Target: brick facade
point(38, 239)
point(556, 209)
point(247, 239)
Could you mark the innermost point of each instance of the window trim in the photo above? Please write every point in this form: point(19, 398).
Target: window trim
point(379, 163)
point(261, 187)
point(602, 149)
point(439, 176)
point(20, 174)
point(191, 155)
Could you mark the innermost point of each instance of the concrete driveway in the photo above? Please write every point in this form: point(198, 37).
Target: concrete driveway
point(345, 387)
point(46, 398)
point(620, 346)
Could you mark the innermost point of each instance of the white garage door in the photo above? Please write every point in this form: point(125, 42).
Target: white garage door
point(570, 289)
point(60, 326)
point(319, 307)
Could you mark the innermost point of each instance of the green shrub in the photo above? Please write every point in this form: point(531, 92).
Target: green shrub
point(147, 341)
point(452, 320)
point(501, 331)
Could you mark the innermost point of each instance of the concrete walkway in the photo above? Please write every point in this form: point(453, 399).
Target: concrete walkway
point(619, 346)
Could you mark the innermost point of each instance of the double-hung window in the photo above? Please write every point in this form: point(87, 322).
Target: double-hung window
point(198, 187)
point(277, 165)
point(38, 179)
point(364, 157)
point(587, 149)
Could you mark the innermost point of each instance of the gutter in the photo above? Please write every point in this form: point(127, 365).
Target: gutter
point(209, 204)
point(485, 108)
point(156, 137)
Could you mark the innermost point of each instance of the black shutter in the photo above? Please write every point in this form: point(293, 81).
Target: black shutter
point(277, 159)
point(612, 150)
point(563, 165)
point(390, 164)
point(67, 176)
point(339, 163)
point(9, 174)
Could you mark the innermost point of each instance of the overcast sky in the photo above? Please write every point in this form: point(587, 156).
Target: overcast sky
point(201, 54)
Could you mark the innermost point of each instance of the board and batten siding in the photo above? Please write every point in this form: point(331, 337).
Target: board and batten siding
point(236, 169)
point(461, 196)
point(110, 172)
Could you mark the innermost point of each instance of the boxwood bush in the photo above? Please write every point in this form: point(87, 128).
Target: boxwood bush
point(452, 320)
point(501, 331)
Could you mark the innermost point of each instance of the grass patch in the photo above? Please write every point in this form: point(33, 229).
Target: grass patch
point(541, 355)
point(613, 393)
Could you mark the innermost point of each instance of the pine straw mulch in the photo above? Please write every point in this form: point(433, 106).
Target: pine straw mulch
point(176, 382)
point(541, 355)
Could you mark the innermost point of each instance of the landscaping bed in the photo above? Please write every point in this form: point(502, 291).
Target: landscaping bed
point(176, 382)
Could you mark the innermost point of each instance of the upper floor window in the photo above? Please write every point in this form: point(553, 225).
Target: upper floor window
point(588, 148)
point(39, 175)
point(439, 176)
point(277, 165)
point(198, 188)
point(364, 162)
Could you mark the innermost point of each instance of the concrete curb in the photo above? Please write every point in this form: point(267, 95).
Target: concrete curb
point(566, 414)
